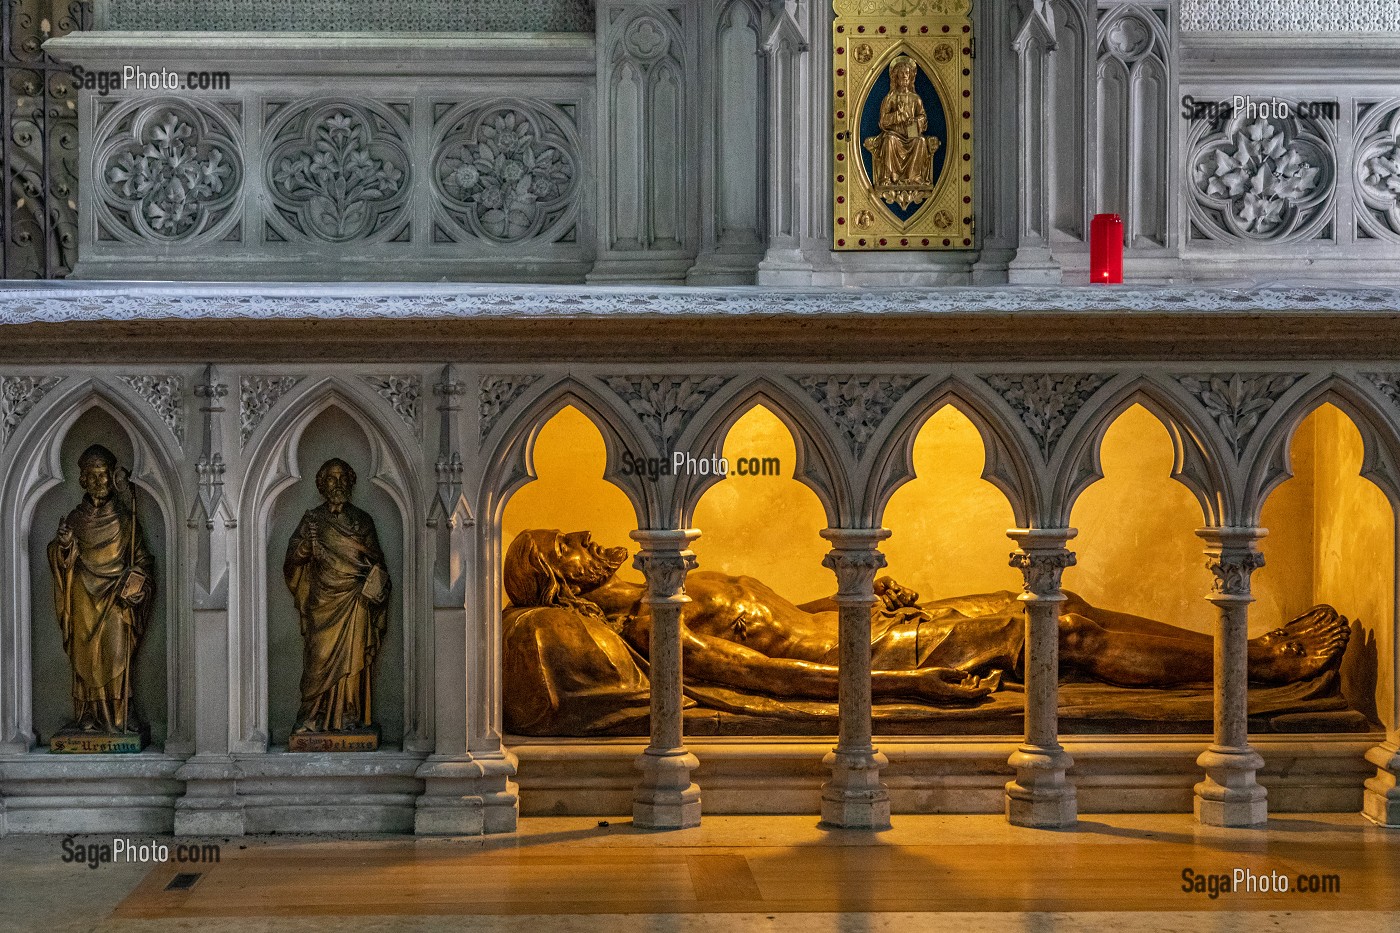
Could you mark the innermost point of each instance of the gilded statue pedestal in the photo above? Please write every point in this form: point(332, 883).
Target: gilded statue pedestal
point(73, 741)
point(346, 740)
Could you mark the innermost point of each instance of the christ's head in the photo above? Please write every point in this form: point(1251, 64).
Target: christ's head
point(550, 568)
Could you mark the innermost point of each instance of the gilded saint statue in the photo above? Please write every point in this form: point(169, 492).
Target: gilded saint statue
point(340, 584)
point(103, 581)
point(576, 640)
point(902, 156)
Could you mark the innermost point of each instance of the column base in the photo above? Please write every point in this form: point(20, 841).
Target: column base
point(1034, 266)
point(466, 796)
point(1230, 795)
point(854, 798)
point(1381, 802)
point(1042, 796)
point(666, 798)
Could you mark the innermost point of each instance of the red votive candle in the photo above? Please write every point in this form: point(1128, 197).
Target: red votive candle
point(1106, 250)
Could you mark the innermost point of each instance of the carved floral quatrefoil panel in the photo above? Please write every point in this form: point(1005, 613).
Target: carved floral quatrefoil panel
point(506, 171)
point(1378, 171)
point(1263, 179)
point(339, 171)
point(167, 170)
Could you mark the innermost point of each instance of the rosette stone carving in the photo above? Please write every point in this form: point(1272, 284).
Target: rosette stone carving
point(497, 394)
point(18, 396)
point(508, 171)
point(1047, 402)
point(1306, 16)
point(1378, 172)
point(1262, 179)
point(339, 171)
point(1237, 402)
point(168, 171)
point(857, 404)
point(665, 404)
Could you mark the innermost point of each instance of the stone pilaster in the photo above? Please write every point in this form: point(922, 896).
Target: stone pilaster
point(666, 798)
point(1230, 795)
point(1041, 795)
point(855, 798)
point(1034, 46)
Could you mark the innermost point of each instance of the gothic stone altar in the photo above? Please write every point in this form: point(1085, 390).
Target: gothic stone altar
point(994, 540)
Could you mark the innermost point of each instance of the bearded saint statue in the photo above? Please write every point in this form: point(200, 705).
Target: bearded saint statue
point(340, 583)
point(103, 580)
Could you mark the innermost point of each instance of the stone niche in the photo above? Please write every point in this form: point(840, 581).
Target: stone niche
point(52, 676)
point(332, 434)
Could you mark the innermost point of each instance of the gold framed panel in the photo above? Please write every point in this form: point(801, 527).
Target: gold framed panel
point(902, 125)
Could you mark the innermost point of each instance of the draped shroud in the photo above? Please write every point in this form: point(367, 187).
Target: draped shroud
point(341, 627)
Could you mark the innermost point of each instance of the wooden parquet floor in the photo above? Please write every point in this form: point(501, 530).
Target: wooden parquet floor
point(624, 872)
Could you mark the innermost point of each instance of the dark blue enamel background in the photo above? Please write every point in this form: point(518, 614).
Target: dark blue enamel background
point(937, 126)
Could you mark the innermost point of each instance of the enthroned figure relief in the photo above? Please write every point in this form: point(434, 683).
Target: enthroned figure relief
point(576, 640)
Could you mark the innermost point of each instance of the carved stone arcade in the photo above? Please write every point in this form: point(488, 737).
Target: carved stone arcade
point(213, 460)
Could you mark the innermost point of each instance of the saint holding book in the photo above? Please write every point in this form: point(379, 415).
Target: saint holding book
point(340, 584)
point(902, 156)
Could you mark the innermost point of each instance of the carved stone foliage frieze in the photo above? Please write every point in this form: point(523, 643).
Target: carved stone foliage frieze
point(165, 394)
point(497, 394)
point(1262, 179)
point(1388, 383)
point(1307, 16)
point(18, 396)
point(857, 404)
point(1378, 171)
point(1238, 402)
point(330, 15)
point(338, 171)
point(403, 393)
point(665, 404)
point(1047, 402)
point(168, 170)
point(256, 396)
point(506, 171)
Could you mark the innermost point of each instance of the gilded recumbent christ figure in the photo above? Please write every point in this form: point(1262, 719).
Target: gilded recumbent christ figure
point(576, 640)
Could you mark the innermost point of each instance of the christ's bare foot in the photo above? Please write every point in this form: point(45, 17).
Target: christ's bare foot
point(1300, 649)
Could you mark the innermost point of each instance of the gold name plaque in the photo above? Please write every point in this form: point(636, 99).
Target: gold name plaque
point(902, 128)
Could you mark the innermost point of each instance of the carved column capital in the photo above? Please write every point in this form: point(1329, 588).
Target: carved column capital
point(855, 558)
point(664, 560)
point(1232, 556)
point(1042, 558)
